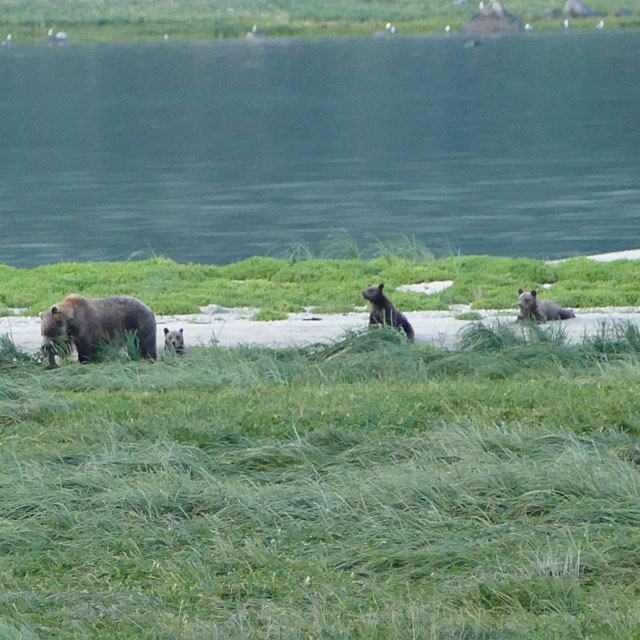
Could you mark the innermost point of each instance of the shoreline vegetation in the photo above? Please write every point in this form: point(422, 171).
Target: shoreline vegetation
point(118, 21)
point(302, 282)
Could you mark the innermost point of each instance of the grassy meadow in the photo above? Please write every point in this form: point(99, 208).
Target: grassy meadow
point(121, 20)
point(330, 284)
point(364, 489)
point(368, 488)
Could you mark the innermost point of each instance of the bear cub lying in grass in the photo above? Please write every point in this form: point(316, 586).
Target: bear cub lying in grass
point(541, 310)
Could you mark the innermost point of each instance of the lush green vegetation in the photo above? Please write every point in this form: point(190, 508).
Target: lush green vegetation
point(281, 286)
point(28, 20)
point(365, 489)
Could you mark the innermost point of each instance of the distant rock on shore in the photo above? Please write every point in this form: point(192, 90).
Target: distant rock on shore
point(575, 9)
point(493, 19)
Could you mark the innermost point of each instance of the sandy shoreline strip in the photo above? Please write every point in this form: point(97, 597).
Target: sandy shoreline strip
point(438, 328)
point(235, 328)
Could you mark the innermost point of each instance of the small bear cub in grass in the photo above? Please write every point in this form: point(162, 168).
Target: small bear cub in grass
point(174, 341)
point(541, 310)
point(383, 312)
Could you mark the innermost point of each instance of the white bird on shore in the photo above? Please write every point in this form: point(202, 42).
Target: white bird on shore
point(447, 29)
point(7, 42)
point(59, 37)
point(253, 34)
point(388, 31)
point(528, 27)
point(600, 25)
point(166, 36)
point(566, 23)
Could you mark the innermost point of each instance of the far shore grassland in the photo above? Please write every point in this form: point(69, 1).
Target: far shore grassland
point(122, 20)
point(368, 488)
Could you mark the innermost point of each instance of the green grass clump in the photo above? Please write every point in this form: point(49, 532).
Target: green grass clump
point(366, 488)
point(279, 286)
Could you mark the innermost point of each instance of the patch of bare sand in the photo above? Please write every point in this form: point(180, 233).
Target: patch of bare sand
point(438, 328)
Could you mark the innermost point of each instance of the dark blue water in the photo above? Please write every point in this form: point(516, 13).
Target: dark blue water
point(215, 151)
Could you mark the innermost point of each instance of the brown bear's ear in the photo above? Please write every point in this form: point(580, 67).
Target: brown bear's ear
point(520, 292)
point(533, 293)
point(180, 331)
point(380, 286)
point(41, 315)
point(166, 331)
point(54, 309)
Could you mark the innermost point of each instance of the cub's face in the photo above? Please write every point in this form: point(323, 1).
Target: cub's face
point(372, 292)
point(527, 301)
point(173, 340)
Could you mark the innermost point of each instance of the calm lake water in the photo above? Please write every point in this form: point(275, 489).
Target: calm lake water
point(215, 151)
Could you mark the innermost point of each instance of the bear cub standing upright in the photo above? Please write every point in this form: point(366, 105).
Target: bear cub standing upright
point(383, 311)
point(541, 310)
point(85, 322)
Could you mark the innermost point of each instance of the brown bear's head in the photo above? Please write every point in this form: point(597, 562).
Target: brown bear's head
point(373, 293)
point(527, 301)
point(55, 326)
point(173, 340)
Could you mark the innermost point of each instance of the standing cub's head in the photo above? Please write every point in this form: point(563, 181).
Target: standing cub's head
point(527, 301)
point(373, 293)
point(174, 341)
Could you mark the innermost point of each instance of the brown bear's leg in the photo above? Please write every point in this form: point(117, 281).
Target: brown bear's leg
point(84, 349)
point(148, 346)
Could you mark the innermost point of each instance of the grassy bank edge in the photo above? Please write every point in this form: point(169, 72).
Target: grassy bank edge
point(279, 286)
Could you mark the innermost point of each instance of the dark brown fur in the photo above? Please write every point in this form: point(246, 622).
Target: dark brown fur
point(383, 312)
point(174, 341)
point(541, 310)
point(85, 322)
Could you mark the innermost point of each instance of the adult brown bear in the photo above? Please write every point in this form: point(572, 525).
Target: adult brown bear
point(85, 322)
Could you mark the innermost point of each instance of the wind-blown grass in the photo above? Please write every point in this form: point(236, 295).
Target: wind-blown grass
point(367, 488)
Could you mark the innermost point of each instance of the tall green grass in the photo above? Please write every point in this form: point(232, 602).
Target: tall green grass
point(366, 488)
